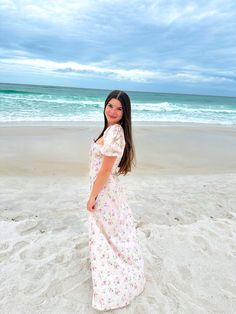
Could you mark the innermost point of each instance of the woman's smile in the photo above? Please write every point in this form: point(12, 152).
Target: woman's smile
point(112, 117)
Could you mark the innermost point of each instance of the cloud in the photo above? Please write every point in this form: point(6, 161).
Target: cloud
point(80, 69)
point(135, 75)
point(140, 41)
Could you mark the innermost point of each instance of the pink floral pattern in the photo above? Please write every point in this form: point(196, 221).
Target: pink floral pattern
point(117, 264)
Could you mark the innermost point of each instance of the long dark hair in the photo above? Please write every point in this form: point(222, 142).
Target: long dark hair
point(128, 158)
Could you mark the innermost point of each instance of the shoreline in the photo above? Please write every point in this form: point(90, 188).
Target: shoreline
point(90, 123)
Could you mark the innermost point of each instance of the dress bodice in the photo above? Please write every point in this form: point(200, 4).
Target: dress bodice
point(114, 144)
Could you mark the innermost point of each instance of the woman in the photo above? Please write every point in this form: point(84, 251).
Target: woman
point(116, 260)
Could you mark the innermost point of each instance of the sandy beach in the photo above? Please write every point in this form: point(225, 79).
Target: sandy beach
point(62, 149)
point(182, 194)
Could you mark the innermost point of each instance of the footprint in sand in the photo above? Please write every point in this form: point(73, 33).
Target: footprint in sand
point(4, 245)
point(185, 273)
point(190, 215)
point(5, 252)
point(233, 249)
point(138, 224)
point(4, 256)
point(26, 226)
point(34, 287)
point(18, 246)
point(60, 228)
point(37, 253)
point(202, 243)
point(81, 249)
point(18, 218)
point(81, 245)
point(59, 259)
point(23, 255)
point(229, 288)
point(223, 225)
point(212, 233)
point(39, 273)
point(58, 287)
point(147, 233)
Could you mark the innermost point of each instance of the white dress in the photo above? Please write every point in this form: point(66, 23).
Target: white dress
point(117, 264)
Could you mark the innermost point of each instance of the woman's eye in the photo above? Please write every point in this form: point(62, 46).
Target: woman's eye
point(110, 105)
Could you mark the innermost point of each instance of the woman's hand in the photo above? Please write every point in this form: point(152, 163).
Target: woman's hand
point(91, 204)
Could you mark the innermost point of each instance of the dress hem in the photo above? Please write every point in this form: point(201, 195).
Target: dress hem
point(126, 304)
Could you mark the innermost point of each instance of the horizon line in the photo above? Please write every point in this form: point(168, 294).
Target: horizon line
point(101, 89)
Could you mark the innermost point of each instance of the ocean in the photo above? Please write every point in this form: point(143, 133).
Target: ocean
point(19, 103)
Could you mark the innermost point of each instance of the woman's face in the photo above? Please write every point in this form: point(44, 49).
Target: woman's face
point(113, 111)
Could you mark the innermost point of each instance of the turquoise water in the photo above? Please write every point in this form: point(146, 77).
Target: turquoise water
point(47, 103)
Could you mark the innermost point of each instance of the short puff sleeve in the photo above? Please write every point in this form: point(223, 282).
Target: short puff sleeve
point(114, 141)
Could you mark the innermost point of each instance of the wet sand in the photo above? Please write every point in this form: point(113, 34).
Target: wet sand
point(63, 150)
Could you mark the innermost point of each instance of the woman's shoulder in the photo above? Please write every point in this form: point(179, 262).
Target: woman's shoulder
point(114, 133)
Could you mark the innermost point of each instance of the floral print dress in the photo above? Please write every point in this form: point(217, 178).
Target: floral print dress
point(117, 264)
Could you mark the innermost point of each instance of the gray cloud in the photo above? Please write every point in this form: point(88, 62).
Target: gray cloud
point(184, 41)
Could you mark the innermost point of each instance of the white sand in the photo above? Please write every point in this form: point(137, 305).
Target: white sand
point(183, 197)
point(186, 226)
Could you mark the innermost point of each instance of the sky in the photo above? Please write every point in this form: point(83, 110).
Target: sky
point(140, 45)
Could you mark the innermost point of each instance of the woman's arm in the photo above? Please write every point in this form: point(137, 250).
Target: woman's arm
point(102, 176)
